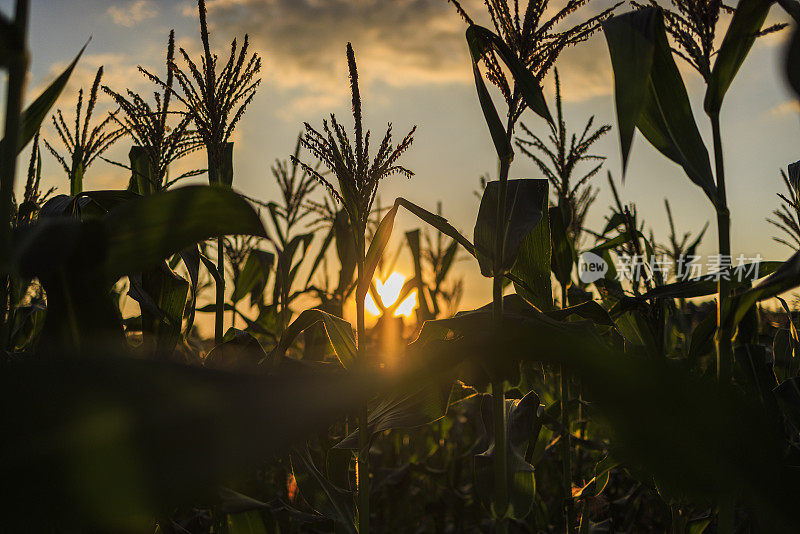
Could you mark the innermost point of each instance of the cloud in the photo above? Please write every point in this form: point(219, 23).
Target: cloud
point(132, 13)
point(398, 43)
point(789, 107)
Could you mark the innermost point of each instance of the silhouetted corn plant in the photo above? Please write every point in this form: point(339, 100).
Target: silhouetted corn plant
point(33, 198)
point(217, 101)
point(679, 249)
point(692, 24)
point(666, 119)
point(150, 127)
point(335, 222)
point(295, 185)
point(440, 260)
point(535, 40)
point(357, 176)
point(529, 46)
point(787, 216)
point(559, 160)
point(248, 273)
point(83, 145)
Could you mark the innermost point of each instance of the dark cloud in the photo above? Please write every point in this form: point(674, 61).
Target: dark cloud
point(398, 42)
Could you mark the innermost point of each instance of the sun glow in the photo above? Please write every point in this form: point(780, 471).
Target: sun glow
point(389, 292)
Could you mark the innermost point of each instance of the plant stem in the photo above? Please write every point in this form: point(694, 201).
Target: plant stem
point(18, 65)
point(215, 177)
point(566, 455)
point(498, 394)
point(501, 498)
point(724, 345)
point(362, 465)
point(220, 305)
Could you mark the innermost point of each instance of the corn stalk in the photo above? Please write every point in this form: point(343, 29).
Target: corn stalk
point(17, 68)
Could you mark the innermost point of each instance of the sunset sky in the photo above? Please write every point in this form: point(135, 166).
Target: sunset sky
point(415, 70)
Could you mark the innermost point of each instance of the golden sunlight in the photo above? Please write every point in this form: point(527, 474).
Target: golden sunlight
point(389, 292)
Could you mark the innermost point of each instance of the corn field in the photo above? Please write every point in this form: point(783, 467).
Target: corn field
point(337, 394)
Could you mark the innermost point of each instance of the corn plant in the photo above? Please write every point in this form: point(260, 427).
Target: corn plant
point(335, 223)
point(529, 46)
point(295, 185)
point(83, 146)
point(357, 179)
point(681, 248)
point(674, 132)
point(150, 128)
point(216, 101)
point(787, 217)
point(438, 258)
point(559, 160)
point(33, 198)
point(477, 428)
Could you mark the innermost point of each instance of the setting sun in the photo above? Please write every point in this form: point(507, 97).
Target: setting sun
point(389, 292)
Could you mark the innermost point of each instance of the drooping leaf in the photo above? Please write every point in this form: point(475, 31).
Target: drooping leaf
point(239, 352)
point(480, 41)
point(651, 96)
point(522, 425)
point(340, 333)
point(785, 277)
point(145, 231)
point(86, 204)
point(409, 407)
point(707, 284)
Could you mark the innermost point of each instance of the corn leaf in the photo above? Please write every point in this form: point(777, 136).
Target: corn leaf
point(132, 439)
point(238, 352)
point(481, 41)
point(523, 212)
point(786, 277)
point(523, 424)
point(744, 27)
point(340, 333)
point(255, 273)
point(650, 95)
point(409, 407)
point(532, 268)
point(147, 230)
point(34, 115)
